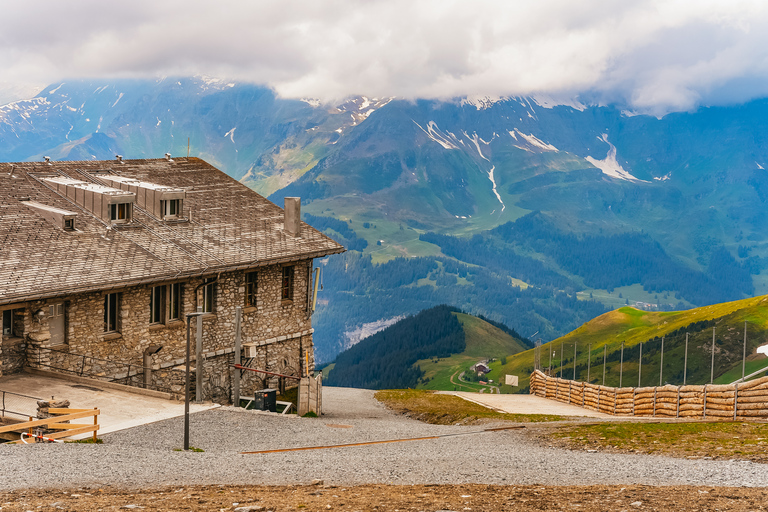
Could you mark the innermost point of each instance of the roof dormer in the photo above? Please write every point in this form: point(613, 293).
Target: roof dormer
point(63, 219)
point(162, 201)
point(107, 203)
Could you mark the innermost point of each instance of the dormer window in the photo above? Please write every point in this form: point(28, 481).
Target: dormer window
point(120, 212)
point(170, 208)
point(69, 224)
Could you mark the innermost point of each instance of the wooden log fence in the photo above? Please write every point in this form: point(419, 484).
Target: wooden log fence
point(744, 400)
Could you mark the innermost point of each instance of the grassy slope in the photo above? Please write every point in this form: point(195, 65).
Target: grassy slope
point(634, 326)
point(484, 341)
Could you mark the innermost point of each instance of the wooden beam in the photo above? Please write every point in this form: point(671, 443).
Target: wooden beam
point(47, 421)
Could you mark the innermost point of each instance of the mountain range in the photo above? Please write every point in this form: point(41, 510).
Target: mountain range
point(537, 214)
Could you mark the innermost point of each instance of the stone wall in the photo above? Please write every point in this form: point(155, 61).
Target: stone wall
point(279, 329)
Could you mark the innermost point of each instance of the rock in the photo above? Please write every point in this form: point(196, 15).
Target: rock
point(317, 481)
point(131, 506)
point(636, 504)
point(249, 508)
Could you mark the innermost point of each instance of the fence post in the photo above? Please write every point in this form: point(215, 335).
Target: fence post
point(735, 398)
point(615, 397)
point(677, 413)
point(654, 401)
point(640, 367)
point(712, 366)
point(621, 366)
point(685, 361)
point(705, 402)
point(661, 363)
point(744, 358)
point(589, 359)
point(237, 373)
point(634, 397)
point(569, 390)
point(605, 353)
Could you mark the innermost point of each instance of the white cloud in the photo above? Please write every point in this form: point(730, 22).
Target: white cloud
point(654, 55)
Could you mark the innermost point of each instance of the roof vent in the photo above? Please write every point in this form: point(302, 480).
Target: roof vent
point(47, 159)
point(292, 222)
point(168, 157)
point(119, 158)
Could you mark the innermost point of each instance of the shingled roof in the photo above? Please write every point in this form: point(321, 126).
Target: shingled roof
point(232, 227)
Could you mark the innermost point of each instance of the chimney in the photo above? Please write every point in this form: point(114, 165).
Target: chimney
point(292, 223)
point(119, 158)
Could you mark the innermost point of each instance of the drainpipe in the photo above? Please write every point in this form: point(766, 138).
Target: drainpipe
point(148, 353)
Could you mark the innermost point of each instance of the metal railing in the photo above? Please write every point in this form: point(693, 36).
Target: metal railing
point(18, 405)
point(103, 369)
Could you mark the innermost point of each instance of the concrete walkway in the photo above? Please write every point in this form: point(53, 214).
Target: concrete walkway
point(527, 404)
point(119, 409)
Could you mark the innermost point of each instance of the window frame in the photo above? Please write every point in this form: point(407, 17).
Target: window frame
point(170, 208)
point(286, 283)
point(7, 327)
point(174, 295)
point(208, 301)
point(112, 312)
point(157, 311)
point(120, 212)
point(251, 289)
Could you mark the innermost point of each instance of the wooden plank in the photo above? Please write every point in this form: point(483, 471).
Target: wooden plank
point(47, 421)
point(66, 410)
point(67, 433)
point(67, 426)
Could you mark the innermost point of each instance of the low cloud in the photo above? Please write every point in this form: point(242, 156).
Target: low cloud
point(651, 56)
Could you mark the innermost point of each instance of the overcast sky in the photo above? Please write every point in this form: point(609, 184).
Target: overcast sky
point(651, 55)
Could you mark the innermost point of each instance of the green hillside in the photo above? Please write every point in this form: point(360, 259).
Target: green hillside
point(634, 327)
point(484, 341)
point(428, 350)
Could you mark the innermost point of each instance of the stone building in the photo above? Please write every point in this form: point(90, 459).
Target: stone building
point(100, 262)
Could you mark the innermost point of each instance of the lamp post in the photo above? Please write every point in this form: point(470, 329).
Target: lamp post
point(186, 384)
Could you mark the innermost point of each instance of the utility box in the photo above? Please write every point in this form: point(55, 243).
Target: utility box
point(265, 400)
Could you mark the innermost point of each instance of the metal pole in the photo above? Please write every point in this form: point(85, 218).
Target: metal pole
point(199, 357)
point(237, 373)
point(589, 360)
point(640, 367)
point(562, 356)
point(661, 363)
point(549, 370)
point(712, 366)
point(685, 361)
point(744, 358)
point(621, 366)
point(605, 352)
point(186, 393)
point(574, 359)
point(186, 384)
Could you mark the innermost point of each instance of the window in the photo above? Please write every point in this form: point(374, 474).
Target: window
point(69, 224)
point(174, 301)
point(170, 208)
point(120, 212)
point(165, 303)
point(286, 292)
point(250, 288)
point(112, 312)
point(8, 322)
point(208, 295)
point(157, 305)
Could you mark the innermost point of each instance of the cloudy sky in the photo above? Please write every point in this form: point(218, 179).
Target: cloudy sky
point(650, 55)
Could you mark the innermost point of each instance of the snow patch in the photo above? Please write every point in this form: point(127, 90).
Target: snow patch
point(609, 165)
point(493, 182)
point(358, 334)
point(312, 102)
point(118, 99)
point(533, 142)
point(476, 140)
point(433, 132)
point(548, 101)
point(56, 89)
point(481, 102)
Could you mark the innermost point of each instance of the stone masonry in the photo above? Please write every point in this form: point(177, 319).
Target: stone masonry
point(279, 329)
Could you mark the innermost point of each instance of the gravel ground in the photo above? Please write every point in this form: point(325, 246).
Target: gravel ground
point(144, 456)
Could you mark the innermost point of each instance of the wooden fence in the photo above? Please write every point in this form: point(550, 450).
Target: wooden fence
point(745, 400)
point(58, 421)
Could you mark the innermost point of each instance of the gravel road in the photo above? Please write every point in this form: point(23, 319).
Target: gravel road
point(144, 456)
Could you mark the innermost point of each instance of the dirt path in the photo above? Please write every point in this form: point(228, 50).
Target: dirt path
point(381, 498)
